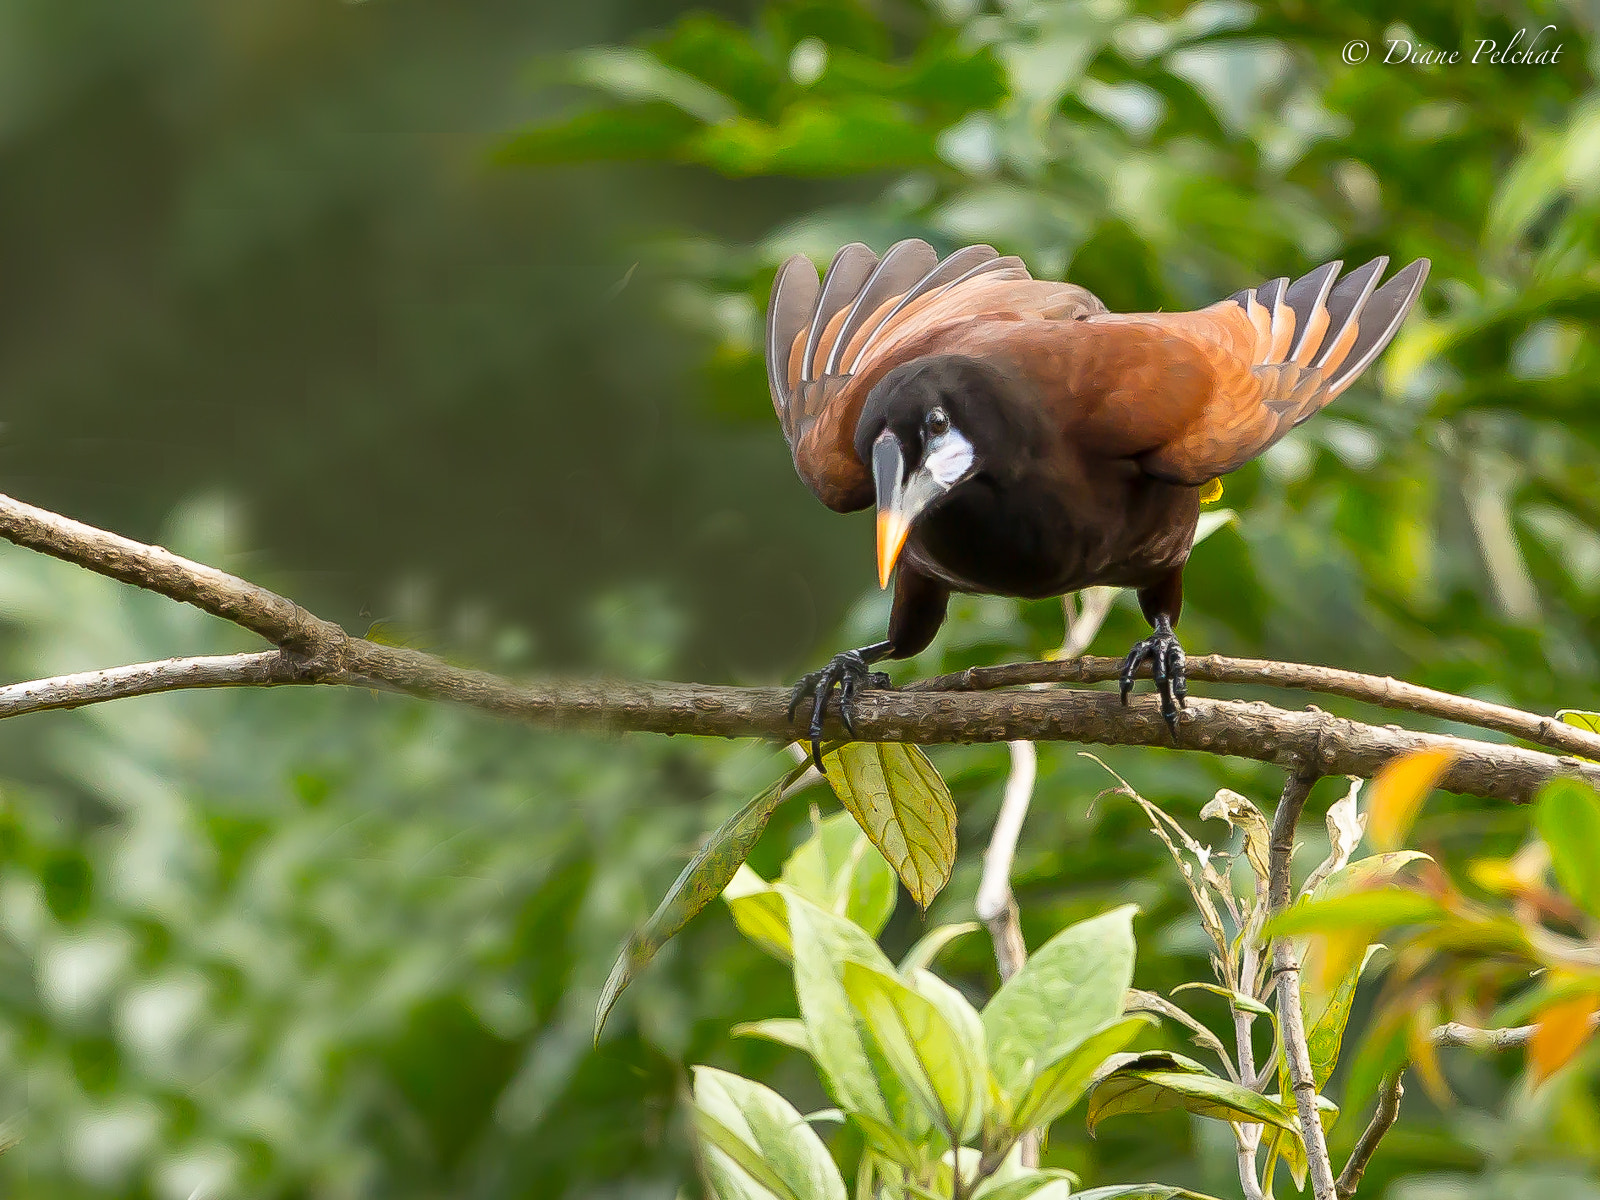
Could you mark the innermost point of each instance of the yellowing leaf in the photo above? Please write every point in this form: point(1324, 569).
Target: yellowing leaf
point(898, 798)
point(1589, 721)
point(1242, 815)
point(1562, 1030)
point(1398, 793)
point(1211, 492)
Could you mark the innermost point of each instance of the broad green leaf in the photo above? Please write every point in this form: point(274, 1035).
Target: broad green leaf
point(699, 883)
point(1061, 1084)
point(1375, 909)
point(838, 869)
point(1376, 870)
point(737, 1170)
point(818, 137)
point(929, 945)
point(1235, 999)
point(1398, 791)
point(786, 1031)
point(1047, 1184)
point(1134, 1090)
point(1326, 1034)
point(1070, 987)
point(758, 910)
point(935, 1063)
point(1140, 1191)
point(964, 1022)
point(898, 798)
point(853, 1068)
point(744, 1121)
point(632, 74)
point(1568, 818)
point(636, 131)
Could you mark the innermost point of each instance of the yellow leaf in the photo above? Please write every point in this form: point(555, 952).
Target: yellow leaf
point(1336, 955)
point(1562, 1030)
point(1587, 721)
point(1211, 492)
point(1398, 792)
point(898, 798)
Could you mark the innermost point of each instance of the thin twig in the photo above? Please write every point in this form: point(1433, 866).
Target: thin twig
point(1389, 1095)
point(994, 899)
point(1291, 1019)
point(1215, 668)
point(326, 654)
point(264, 668)
point(995, 903)
point(1470, 1036)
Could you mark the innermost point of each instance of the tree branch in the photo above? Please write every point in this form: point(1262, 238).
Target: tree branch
point(1291, 1019)
point(1214, 668)
point(266, 668)
point(318, 651)
point(1367, 1145)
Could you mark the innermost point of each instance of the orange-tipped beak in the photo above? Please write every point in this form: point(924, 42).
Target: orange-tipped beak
point(892, 531)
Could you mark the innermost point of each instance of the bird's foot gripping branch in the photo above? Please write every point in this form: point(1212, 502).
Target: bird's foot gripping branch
point(891, 788)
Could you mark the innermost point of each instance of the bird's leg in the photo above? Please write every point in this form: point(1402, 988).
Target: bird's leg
point(849, 672)
point(1167, 663)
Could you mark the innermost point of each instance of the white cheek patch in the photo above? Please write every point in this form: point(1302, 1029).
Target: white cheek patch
point(949, 457)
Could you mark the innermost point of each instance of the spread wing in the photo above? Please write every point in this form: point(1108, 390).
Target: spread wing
point(1212, 389)
point(829, 341)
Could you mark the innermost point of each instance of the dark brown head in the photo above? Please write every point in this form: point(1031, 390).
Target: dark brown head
point(928, 427)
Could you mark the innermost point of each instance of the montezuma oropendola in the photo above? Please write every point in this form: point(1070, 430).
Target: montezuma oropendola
point(1019, 439)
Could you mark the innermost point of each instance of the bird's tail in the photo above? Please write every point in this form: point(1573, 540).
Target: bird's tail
point(1328, 328)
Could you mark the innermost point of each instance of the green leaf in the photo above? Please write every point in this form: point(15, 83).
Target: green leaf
point(1379, 908)
point(898, 798)
point(754, 1132)
point(758, 910)
point(1376, 870)
point(1069, 988)
point(1047, 1184)
point(1062, 1083)
point(786, 1031)
point(627, 132)
point(1326, 1035)
point(636, 75)
point(1130, 1090)
point(700, 882)
point(852, 1066)
point(931, 943)
point(1236, 1000)
point(1140, 1191)
point(937, 1065)
point(838, 869)
point(1568, 816)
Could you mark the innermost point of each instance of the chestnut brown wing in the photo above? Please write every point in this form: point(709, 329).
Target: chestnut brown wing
point(1195, 395)
point(829, 341)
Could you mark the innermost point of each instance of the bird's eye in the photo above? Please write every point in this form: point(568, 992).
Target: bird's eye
point(938, 422)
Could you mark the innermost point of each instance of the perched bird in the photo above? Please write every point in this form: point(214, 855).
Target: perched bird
point(1021, 440)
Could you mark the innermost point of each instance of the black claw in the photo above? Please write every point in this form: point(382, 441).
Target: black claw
point(848, 673)
point(1167, 663)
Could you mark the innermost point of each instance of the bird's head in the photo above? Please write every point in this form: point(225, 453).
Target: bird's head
point(924, 430)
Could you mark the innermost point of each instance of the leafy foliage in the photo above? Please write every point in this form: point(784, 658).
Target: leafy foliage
point(937, 1089)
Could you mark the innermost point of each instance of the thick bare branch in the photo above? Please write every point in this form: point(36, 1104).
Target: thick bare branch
point(321, 652)
point(1291, 1017)
point(1214, 668)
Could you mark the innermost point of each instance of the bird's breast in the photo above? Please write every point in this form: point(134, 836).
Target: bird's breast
point(1038, 537)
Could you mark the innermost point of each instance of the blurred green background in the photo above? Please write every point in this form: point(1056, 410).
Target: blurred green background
point(444, 317)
